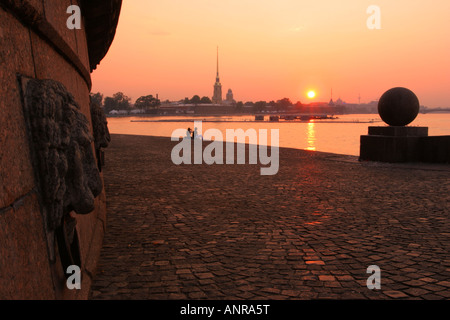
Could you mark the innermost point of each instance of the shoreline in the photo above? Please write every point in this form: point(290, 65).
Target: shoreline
point(199, 115)
point(258, 121)
point(323, 154)
point(236, 114)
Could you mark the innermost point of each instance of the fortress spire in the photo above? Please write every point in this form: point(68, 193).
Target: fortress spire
point(217, 97)
point(217, 77)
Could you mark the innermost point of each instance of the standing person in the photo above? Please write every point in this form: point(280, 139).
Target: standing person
point(195, 133)
point(188, 133)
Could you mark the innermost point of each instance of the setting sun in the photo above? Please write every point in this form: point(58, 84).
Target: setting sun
point(311, 94)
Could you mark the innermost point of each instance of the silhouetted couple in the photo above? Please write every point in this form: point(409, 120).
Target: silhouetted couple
point(192, 134)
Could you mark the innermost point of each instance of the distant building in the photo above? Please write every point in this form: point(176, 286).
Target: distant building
point(137, 111)
point(362, 108)
point(339, 102)
point(217, 97)
point(230, 99)
point(230, 95)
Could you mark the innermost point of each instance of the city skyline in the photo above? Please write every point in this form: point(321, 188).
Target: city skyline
point(271, 51)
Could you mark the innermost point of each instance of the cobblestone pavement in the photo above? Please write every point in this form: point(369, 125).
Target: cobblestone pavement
point(309, 232)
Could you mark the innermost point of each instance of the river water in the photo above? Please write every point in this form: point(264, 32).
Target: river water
point(341, 136)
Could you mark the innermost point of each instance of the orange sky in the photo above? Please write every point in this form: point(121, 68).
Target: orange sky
point(275, 49)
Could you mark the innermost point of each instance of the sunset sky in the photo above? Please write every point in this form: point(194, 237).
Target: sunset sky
point(275, 49)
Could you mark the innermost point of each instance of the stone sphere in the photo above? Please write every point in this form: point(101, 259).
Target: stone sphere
point(398, 107)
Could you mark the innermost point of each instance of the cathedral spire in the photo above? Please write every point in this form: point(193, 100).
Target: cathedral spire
point(217, 64)
point(217, 97)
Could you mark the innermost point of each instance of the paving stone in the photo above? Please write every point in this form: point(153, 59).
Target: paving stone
point(416, 292)
point(327, 278)
point(444, 283)
point(316, 262)
point(395, 294)
point(177, 296)
point(309, 232)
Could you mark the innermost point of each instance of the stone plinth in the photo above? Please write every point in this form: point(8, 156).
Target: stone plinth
point(392, 144)
point(395, 131)
point(435, 149)
point(404, 144)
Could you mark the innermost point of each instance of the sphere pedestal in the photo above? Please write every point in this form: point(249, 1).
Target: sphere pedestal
point(398, 107)
point(392, 144)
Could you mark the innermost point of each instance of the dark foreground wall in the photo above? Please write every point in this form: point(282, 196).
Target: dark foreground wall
point(46, 157)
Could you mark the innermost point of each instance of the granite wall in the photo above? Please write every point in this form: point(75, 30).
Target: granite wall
point(35, 43)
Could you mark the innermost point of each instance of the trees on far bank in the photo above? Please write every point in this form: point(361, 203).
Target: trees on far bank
point(118, 101)
point(197, 100)
point(121, 102)
point(147, 102)
point(259, 106)
point(205, 100)
point(284, 103)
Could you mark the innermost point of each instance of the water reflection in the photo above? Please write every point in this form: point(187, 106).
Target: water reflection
point(311, 136)
point(340, 136)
